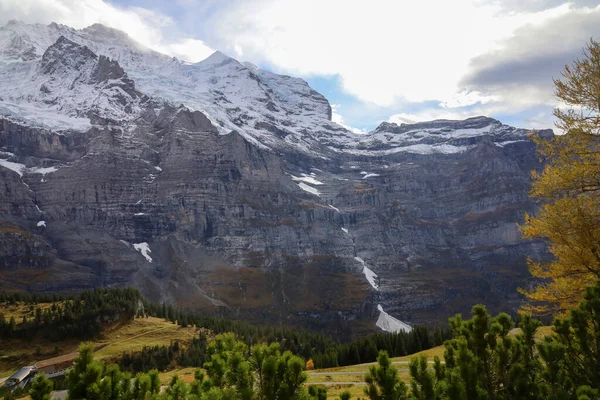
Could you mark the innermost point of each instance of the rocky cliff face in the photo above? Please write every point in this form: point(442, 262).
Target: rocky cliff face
point(220, 186)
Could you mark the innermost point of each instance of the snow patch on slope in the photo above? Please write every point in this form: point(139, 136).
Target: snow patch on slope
point(502, 144)
point(307, 179)
point(309, 189)
point(43, 171)
point(414, 149)
point(44, 117)
point(369, 274)
point(22, 169)
point(390, 324)
point(16, 167)
point(430, 149)
point(369, 175)
point(144, 249)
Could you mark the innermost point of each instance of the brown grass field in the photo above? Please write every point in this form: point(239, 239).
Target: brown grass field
point(124, 336)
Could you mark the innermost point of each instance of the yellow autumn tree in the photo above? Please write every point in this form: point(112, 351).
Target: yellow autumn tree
point(310, 364)
point(569, 189)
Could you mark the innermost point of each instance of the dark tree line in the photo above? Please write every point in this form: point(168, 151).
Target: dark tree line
point(324, 350)
point(161, 358)
point(82, 315)
point(79, 316)
point(193, 353)
point(367, 349)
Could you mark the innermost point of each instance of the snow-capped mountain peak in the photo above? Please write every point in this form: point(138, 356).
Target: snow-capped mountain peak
point(270, 110)
point(25, 42)
point(215, 59)
point(68, 87)
point(107, 33)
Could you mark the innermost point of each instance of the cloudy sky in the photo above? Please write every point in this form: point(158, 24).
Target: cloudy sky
point(375, 60)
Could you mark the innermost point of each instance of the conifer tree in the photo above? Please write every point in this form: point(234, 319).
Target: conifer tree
point(383, 382)
point(345, 395)
point(572, 355)
point(83, 379)
point(263, 359)
point(154, 381)
point(424, 381)
point(317, 392)
point(292, 376)
point(484, 361)
point(41, 388)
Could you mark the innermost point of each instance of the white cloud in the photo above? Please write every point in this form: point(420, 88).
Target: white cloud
point(338, 119)
point(143, 25)
point(384, 50)
point(520, 71)
point(466, 98)
point(541, 120)
point(192, 50)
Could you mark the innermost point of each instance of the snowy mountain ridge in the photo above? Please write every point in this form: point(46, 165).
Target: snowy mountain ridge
point(439, 136)
point(270, 110)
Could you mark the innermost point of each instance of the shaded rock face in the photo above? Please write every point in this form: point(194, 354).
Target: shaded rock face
point(261, 217)
point(226, 226)
point(230, 230)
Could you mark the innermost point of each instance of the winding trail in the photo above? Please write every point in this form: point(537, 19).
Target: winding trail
point(103, 347)
point(338, 383)
point(345, 373)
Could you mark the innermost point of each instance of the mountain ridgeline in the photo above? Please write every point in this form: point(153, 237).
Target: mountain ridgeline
point(221, 187)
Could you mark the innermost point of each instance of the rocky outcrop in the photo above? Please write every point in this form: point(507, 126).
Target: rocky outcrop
point(222, 187)
point(65, 55)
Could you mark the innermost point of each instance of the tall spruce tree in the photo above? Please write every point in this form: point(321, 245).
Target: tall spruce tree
point(383, 382)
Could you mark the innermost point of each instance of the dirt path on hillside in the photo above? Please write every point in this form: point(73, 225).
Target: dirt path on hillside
point(104, 346)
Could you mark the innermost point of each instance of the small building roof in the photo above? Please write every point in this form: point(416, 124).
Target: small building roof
point(21, 374)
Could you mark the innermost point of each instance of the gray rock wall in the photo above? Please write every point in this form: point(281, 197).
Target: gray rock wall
point(231, 232)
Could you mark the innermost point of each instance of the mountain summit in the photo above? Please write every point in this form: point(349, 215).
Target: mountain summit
point(221, 186)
